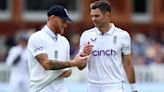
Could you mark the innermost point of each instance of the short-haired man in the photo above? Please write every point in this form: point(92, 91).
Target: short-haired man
point(111, 55)
point(49, 54)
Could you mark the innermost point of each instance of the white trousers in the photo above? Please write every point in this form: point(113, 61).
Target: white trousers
point(19, 82)
point(53, 87)
point(104, 88)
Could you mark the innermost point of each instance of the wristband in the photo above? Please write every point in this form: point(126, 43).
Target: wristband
point(133, 87)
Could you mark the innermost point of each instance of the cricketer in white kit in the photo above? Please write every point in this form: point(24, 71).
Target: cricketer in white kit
point(106, 71)
point(57, 48)
point(110, 60)
point(49, 54)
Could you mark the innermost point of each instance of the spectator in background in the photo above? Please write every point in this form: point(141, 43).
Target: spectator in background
point(3, 48)
point(10, 41)
point(139, 45)
point(74, 42)
point(17, 58)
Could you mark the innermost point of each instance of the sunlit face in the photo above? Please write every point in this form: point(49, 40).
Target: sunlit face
point(99, 18)
point(60, 25)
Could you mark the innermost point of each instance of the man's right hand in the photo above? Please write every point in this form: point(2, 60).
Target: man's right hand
point(66, 74)
point(87, 49)
point(78, 61)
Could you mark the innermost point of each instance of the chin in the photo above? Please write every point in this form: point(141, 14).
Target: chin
point(61, 32)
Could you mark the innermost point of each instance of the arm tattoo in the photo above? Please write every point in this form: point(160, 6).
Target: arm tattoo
point(56, 65)
point(51, 64)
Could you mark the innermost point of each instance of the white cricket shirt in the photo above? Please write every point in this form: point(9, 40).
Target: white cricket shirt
point(21, 66)
point(56, 47)
point(105, 63)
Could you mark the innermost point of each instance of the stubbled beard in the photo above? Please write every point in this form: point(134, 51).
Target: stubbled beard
point(58, 30)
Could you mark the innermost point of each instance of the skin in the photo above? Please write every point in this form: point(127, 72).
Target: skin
point(56, 24)
point(87, 51)
point(129, 68)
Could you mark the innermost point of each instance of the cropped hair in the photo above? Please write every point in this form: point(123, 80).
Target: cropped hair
point(103, 5)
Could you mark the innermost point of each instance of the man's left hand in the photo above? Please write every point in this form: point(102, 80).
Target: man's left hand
point(66, 73)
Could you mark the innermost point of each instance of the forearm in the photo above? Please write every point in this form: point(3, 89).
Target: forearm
point(129, 69)
point(57, 65)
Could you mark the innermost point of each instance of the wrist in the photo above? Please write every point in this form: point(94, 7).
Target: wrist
point(70, 63)
point(133, 87)
point(82, 54)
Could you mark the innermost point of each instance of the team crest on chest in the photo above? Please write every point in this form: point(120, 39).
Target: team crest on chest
point(56, 54)
point(115, 40)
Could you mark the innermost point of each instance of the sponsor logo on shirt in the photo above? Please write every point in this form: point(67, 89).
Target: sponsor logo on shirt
point(110, 52)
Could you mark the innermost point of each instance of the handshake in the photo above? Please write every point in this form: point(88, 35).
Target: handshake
point(80, 60)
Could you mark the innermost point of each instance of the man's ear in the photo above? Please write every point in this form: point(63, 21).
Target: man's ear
point(108, 14)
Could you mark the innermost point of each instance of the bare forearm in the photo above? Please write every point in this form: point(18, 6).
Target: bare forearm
point(57, 65)
point(51, 64)
point(129, 69)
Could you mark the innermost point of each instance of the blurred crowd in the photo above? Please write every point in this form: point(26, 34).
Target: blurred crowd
point(147, 49)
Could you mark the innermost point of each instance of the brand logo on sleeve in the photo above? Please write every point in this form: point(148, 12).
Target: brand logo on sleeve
point(38, 49)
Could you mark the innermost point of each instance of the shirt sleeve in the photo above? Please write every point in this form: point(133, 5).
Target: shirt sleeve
point(126, 46)
point(36, 45)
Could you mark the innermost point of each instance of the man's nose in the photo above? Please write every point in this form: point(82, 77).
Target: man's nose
point(93, 18)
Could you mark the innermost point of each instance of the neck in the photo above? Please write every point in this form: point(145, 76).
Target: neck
point(51, 27)
point(105, 28)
